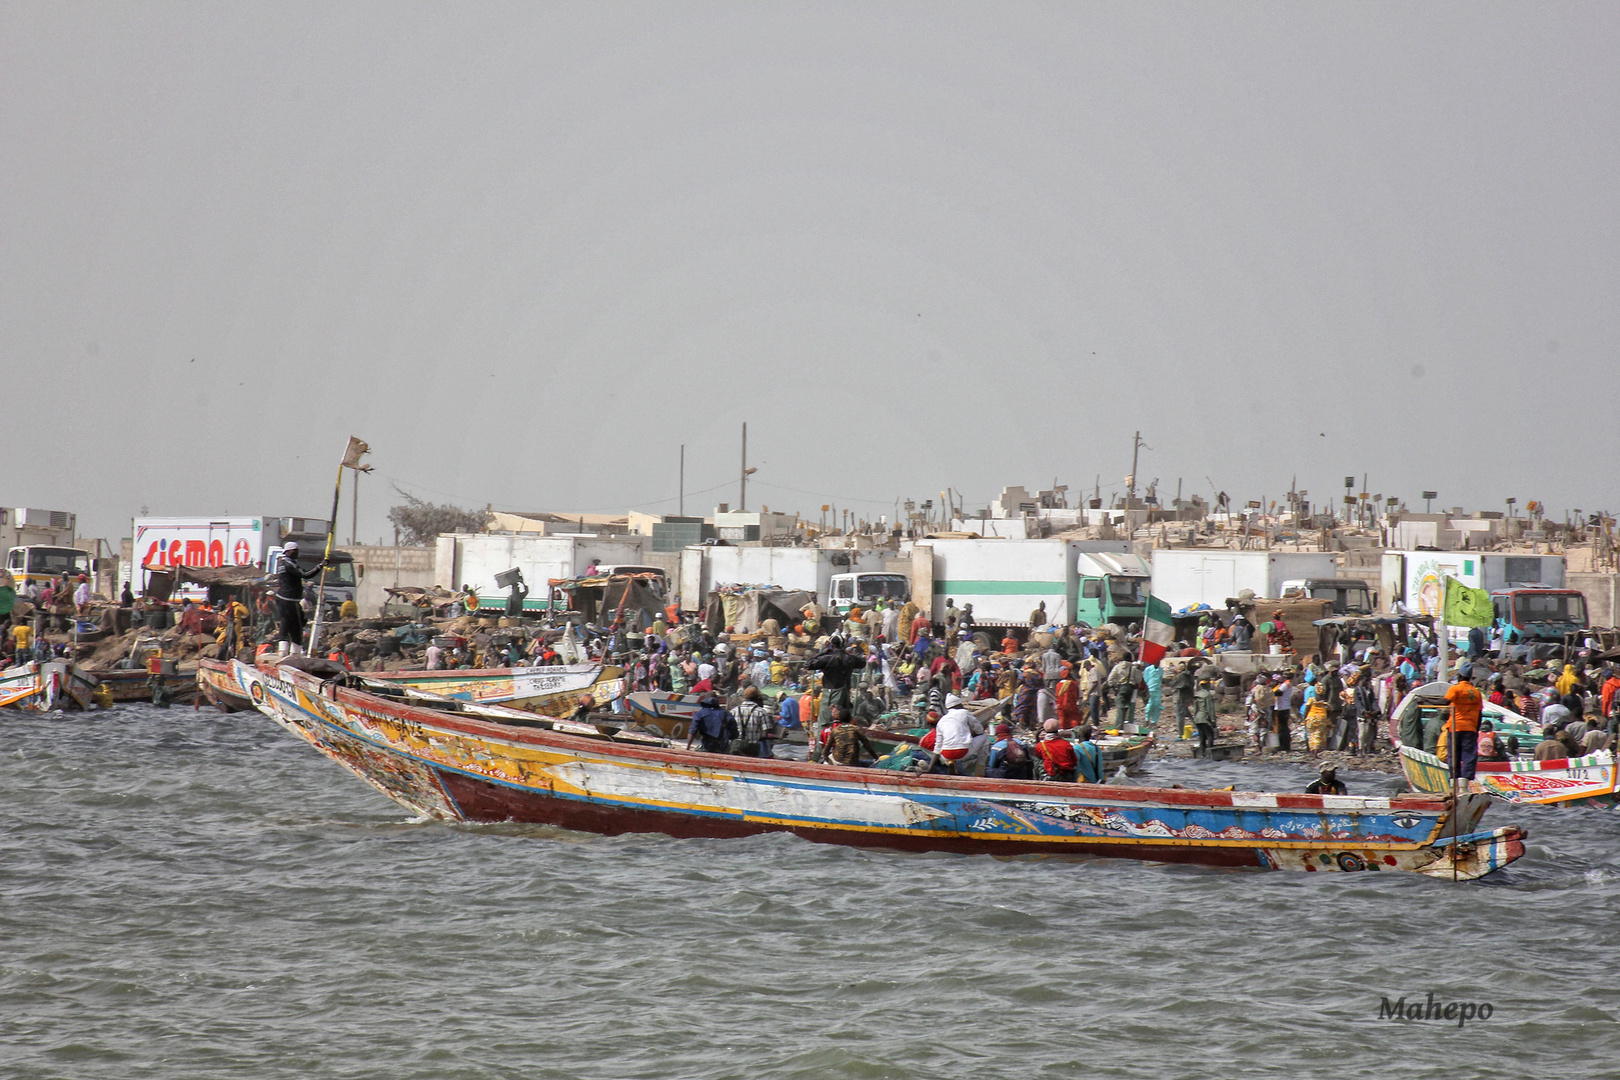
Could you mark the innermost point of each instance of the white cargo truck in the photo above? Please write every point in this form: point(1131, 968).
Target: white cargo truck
point(1186, 576)
point(234, 541)
point(1004, 580)
point(1416, 579)
point(803, 569)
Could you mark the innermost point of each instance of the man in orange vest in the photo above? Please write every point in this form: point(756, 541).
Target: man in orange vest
point(1466, 705)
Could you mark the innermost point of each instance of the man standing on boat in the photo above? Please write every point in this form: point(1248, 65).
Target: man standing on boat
point(290, 595)
point(1466, 706)
point(836, 665)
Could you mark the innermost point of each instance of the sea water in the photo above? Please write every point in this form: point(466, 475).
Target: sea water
point(190, 894)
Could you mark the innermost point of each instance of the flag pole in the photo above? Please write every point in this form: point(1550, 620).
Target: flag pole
point(351, 460)
point(320, 591)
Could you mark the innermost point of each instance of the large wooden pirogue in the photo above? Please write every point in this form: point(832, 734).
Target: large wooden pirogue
point(459, 760)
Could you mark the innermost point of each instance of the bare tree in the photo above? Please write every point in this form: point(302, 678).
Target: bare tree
point(420, 523)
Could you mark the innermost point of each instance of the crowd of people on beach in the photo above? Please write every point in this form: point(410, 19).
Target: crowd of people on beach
point(1002, 701)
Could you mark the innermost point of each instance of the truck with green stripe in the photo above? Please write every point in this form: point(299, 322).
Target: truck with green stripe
point(1006, 581)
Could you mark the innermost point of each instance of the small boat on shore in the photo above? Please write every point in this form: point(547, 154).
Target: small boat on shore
point(461, 761)
point(133, 684)
point(48, 685)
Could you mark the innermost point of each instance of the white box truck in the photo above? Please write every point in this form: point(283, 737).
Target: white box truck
point(234, 541)
point(1186, 576)
point(1004, 580)
point(1416, 580)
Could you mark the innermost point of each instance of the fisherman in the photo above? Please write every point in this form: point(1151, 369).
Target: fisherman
point(1204, 706)
point(836, 665)
point(1123, 680)
point(233, 630)
point(845, 741)
point(960, 736)
point(1037, 618)
point(1550, 748)
point(1326, 783)
point(750, 717)
point(1466, 706)
point(1057, 754)
point(126, 598)
point(1089, 757)
point(290, 595)
point(582, 712)
point(1010, 758)
point(712, 725)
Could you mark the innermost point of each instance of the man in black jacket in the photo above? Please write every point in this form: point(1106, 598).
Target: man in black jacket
point(836, 665)
point(290, 595)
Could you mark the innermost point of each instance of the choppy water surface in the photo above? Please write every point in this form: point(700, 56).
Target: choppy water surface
point(187, 894)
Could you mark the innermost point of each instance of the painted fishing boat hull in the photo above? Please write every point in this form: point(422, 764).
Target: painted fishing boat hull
point(136, 685)
point(550, 691)
point(219, 686)
point(1127, 751)
point(454, 766)
point(667, 713)
point(1589, 779)
point(42, 687)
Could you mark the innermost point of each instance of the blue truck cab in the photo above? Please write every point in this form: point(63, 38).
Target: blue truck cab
point(1538, 614)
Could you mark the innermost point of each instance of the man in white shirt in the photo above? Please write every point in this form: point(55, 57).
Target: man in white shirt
point(960, 739)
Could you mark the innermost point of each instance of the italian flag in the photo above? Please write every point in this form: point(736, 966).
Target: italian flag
point(1157, 631)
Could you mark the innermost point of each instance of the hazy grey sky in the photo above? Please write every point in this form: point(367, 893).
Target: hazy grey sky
point(526, 250)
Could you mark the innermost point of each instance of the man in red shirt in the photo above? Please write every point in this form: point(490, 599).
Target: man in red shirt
point(1057, 754)
point(1466, 704)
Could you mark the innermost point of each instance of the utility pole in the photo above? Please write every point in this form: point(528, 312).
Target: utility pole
point(742, 495)
point(1130, 490)
point(354, 508)
point(681, 512)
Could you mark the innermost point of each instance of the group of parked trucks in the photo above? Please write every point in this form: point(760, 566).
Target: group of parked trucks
point(1091, 582)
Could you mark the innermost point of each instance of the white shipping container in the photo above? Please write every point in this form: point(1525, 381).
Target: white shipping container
point(475, 558)
point(1186, 576)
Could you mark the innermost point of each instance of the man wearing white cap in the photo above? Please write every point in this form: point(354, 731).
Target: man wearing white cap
point(960, 739)
point(290, 595)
